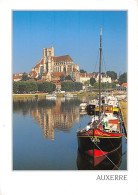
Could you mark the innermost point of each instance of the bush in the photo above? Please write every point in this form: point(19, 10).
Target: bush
point(104, 85)
point(26, 87)
point(46, 87)
point(71, 86)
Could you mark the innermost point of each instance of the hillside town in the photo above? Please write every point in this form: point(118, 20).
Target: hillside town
point(62, 68)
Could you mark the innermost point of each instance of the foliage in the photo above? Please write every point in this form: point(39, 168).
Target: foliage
point(112, 74)
point(68, 77)
point(92, 81)
point(87, 82)
point(123, 78)
point(27, 87)
point(25, 77)
point(39, 77)
point(105, 85)
point(71, 86)
point(46, 87)
point(15, 87)
point(82, 71)
point(62, 78)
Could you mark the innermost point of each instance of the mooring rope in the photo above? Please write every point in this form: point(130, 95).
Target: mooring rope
point(124, 136)
point(103, 153)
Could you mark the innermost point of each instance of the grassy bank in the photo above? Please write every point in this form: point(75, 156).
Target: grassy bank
point(17, 97)
point(123, 106)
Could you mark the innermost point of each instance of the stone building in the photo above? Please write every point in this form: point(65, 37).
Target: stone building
point(104, 78)
point(49, 64)
point(85, 77)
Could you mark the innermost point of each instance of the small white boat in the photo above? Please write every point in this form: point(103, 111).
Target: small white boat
point(68, 95)
point(51, 97)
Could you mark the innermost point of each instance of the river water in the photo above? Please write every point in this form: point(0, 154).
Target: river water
point(44, 137)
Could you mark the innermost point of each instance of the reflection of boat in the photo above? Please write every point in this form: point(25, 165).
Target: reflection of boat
point(83, 112)
point(99, 160)
point(83, 106)
point(92, 105)
point(103, 131)
point(51, 97)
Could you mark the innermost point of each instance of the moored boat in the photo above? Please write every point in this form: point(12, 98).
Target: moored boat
point(68, 95)
point(103, 132)
point(100, 160)
point(51, 97)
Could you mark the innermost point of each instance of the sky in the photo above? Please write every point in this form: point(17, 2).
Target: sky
point(74, 33)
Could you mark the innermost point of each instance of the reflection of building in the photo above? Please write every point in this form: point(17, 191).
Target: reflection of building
point(55, 118)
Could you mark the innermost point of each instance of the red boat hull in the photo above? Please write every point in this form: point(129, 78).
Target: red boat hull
point(99, 140)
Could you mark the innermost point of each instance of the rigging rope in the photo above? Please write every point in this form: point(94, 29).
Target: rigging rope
point(104, 62)
point(96, 60)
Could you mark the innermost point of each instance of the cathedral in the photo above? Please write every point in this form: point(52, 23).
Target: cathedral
point(50, 64)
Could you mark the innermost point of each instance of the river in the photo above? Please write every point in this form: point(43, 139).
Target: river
point(44, 137)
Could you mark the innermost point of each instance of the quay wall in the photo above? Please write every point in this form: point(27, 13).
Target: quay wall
point(123, 107)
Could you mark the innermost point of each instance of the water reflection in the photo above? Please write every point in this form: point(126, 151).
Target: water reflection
point(60, 119)
point(110, 161)
point(51, 115)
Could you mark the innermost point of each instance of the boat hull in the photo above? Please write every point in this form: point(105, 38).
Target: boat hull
point(96, 139)
point(86, 162)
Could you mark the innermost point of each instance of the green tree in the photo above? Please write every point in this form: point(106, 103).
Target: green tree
point(71, 86)
point(25, 77)
point(96, 85)
point(46, 87)
point(87, 82)
point(82, 71)
point(123, 78)
point(39, 77)
point(22, 88)
point(104, 85)
point(68, 77)
point(15, 87)
point(62, 78)
point(92, 81)
point(112, 74)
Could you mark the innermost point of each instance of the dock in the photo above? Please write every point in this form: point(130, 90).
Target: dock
point(123, 108)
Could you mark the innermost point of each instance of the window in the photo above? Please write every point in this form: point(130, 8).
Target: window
point(106, 108)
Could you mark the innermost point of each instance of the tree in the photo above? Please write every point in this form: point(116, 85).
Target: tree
point(22, 88)
point(82, 71)
point(123, 78)
point(105, 85)
point(15, 87)
point(68, 78)
point(87, 82)
point(112, 74)
point(46, 87)
point(39, 77)
point(62, 78)
point(71, 86)
point(92, 81)
point(25, 77)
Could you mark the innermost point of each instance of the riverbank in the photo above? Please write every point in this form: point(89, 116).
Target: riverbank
point(123, 107)
point(19, 97)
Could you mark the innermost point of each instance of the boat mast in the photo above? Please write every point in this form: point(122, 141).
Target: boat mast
point(100, 74)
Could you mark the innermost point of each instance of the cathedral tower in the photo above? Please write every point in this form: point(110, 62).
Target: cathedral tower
point(48, 53)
